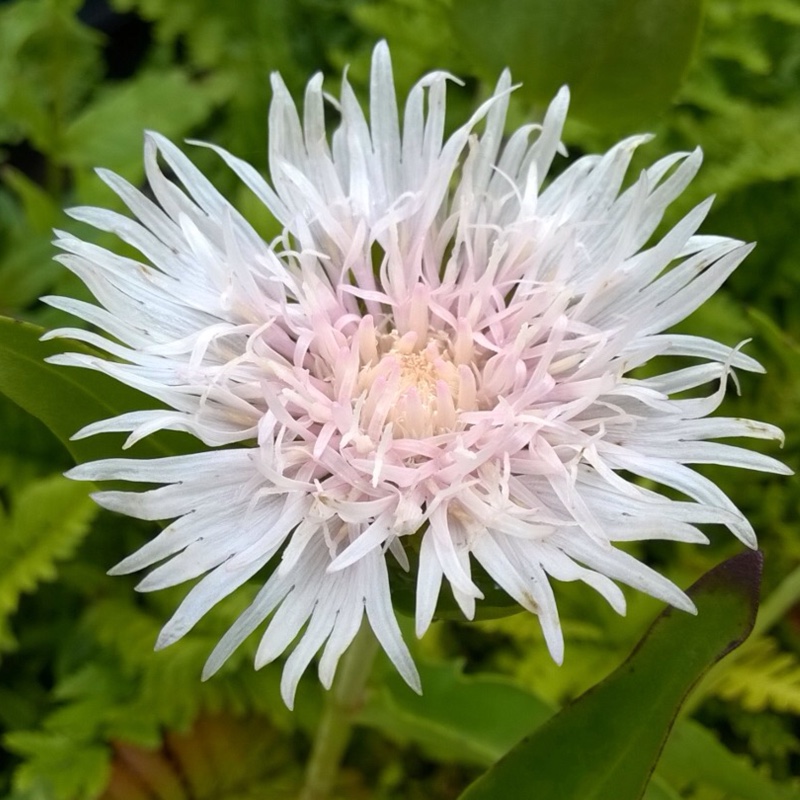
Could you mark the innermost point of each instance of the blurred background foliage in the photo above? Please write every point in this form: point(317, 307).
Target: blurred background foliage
point(87, 710)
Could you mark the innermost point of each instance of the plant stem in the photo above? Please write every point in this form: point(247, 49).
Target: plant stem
point(336, 726)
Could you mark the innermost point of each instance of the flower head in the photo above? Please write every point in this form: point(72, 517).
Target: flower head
point(435, 356)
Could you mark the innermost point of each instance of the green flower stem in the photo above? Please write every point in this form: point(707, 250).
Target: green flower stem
point(344, 701)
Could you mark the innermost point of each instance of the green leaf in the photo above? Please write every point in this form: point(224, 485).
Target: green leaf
point(27, 269)
point(49, 62)
point(27, 448)
point(658, 789)
point(166, 101)
point(237, 45)
point(623, 59)
point(460, 718)
point(619, 727)
point(67, 398)
point(42, 212)
point(694, 755)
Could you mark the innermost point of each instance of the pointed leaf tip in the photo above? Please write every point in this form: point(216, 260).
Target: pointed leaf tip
point(743, 570)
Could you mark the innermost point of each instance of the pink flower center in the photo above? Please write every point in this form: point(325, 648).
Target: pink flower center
point(416, 391)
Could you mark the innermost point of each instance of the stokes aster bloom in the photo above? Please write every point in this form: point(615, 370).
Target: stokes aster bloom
point(435, 356)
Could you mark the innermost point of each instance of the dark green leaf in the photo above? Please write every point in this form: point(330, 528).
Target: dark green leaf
point(623, 59)
point(27, 448)
point(66, 398)
point(607, 742)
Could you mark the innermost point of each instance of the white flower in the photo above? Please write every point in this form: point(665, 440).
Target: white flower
point(435, 355)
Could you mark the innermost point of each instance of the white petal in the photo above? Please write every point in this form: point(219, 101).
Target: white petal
point(620, 566)
point(429, 583)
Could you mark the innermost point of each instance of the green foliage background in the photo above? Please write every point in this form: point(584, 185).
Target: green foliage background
point(87, 709)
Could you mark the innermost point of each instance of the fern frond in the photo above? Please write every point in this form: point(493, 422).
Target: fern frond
point(57, 768)
point(48, 520)
point(164, 687)
point(763, 677)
